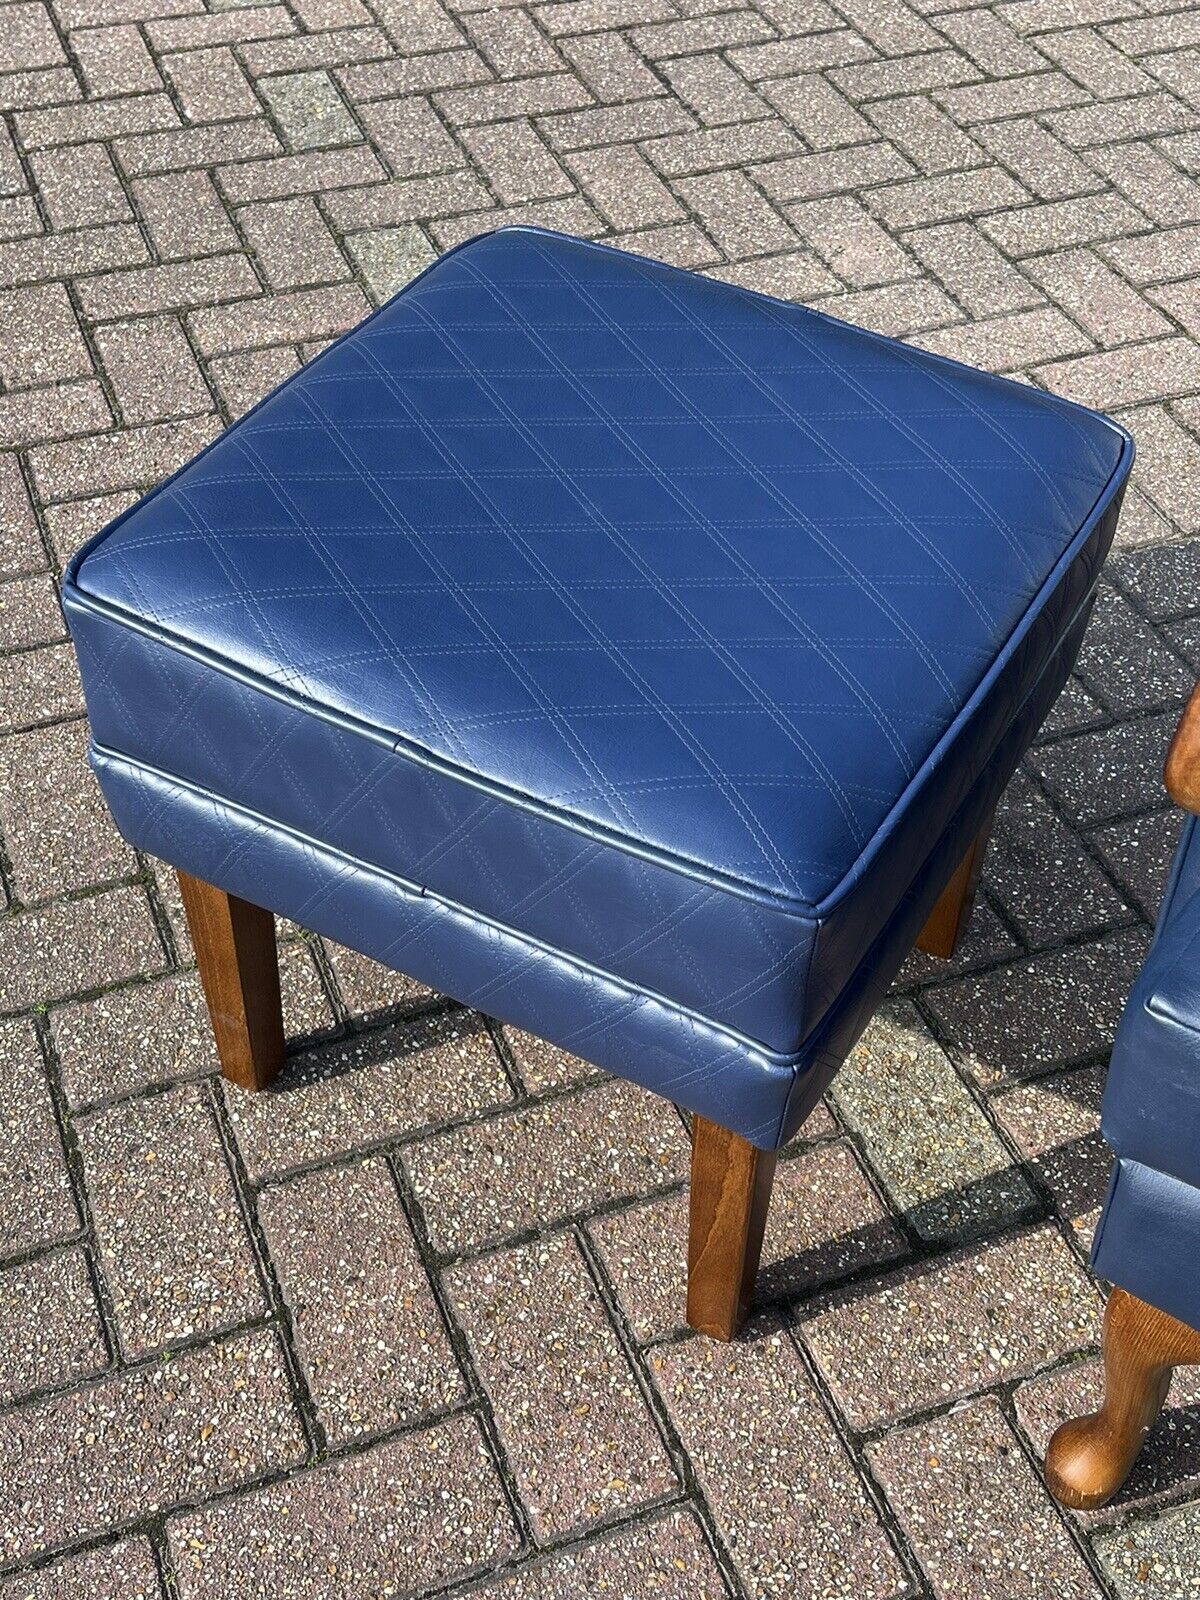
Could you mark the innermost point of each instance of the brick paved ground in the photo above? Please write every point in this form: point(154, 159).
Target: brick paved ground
point(413, 1322)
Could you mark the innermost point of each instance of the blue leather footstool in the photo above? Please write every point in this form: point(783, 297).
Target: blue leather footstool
point(630, 656)
point(1148, 1240)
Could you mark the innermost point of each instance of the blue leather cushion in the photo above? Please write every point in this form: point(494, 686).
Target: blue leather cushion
point(662, 624)
point(1148, 1239)
point(1152, 1098)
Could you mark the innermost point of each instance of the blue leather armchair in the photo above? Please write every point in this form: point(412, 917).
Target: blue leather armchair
point(1148, 1240)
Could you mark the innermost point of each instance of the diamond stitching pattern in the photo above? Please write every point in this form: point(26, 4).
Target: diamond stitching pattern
point(881, 518)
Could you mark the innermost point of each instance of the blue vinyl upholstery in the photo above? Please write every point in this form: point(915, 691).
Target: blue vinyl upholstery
point(1149, 1237)
point(627, 654)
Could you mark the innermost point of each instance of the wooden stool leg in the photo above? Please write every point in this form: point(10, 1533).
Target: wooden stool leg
point(948, 920)
point(239, 968)
point(731, 1188)
point(1089, 1458)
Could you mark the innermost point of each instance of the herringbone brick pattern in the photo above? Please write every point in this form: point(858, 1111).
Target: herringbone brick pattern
point(412, 1323)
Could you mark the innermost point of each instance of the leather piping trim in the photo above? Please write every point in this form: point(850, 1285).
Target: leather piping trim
point(804, 911)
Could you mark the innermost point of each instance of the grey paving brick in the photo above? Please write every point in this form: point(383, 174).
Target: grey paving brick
point(50, 1331)
point(817, 111)
point(306, 53)
point(1116, 378)
point(1123, 662)
point(310, 111)
point(171, 1240)
point(370, 1089)
point(895, 309)
point(945, 197)
point(542, 1065)
point(39, 686)
point(369, 1333)
point(733, 213)
point(122, 1571)
point(543, 1162)
point(1055, 1123)
point(1097, 298)
point(807, 1527)
point(831, 172)
point(1009, 343)
point(421, 1510)
point(412, 136)
point(812, 52)
point(277, 319)
point(1155, 1560)
point(1057, 223)
point(367, 986)
point(927, 136)
point(934, 1332)
point(977, 1515)
point(932, 1147)
point(610, 66)
point(185, 148)
point(21, 548)
point(1043, 163)
point(824, 1221)
point(513, 44)
point(276, 177)
point(79, 1463)
point(36, 1201)
point(30, 39)
point(577, 1431)
point(1140, 117)
point(625, 188)
point(184, 215)
point(713, 90)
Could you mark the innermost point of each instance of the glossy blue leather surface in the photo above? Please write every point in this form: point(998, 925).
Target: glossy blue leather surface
point(1148, 1240)
point(662, 626)
point(1152, 1098)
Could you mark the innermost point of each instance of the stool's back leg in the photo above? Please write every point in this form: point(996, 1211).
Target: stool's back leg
point(1089, 1458)
point(947, 922)
point(239, 968)
point(731, 1188)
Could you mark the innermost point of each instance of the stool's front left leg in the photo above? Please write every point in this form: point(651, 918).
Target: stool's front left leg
point(731, 1189)
point(239, 968)
point(1089, 1458)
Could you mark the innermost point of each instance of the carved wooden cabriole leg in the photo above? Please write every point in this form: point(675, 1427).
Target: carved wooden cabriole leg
point(239, 968)
point(731, 1188)
point(1089, 1458)
point(947, 922)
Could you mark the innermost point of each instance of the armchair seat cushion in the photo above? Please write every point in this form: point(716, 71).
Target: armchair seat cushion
point(613, 648)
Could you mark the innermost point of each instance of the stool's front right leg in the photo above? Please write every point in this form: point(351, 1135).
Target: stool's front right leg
point(731, 1189)
point(239, 968)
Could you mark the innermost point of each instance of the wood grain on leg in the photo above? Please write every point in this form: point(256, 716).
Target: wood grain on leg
point(731, 1188)
point(239, 968)
point(947, 922)
point(1089, 1458)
